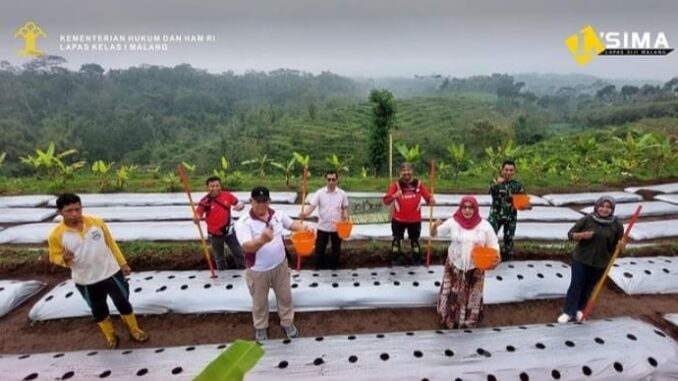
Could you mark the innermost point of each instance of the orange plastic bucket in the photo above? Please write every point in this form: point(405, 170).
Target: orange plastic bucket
point(521, 201)
point(303, 243)
point(484, 257)
point(344, 229)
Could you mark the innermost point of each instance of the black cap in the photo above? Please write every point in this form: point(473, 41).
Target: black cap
point(261, 194)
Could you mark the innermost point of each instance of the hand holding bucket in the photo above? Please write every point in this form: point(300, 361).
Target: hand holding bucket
point(521, 201)
point(485, 258)
point(344, 229)
point(303, 242)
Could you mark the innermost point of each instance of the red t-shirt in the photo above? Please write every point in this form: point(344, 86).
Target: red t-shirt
point(217, 211)
point(408, 206)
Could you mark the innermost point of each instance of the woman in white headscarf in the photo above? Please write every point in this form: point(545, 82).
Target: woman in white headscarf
point(597, 236)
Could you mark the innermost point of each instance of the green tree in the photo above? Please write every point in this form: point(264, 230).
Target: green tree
point(383, 121)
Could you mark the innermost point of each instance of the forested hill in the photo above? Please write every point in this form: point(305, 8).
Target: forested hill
point(153, 115)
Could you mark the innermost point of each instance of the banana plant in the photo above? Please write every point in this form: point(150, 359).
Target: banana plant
point(336, 164)
point(101, 169)
point(261, 162)
point(53, 163)
point(154, 171)
point(661, 150)
point(189, 167)
point(495, 156)
point(606, 168)
point(364, 171)
point(287, 169)
point(171, 182)
point(301, 159)
point(221, 172)
point(411, 155)
point(458, 158)
point(443, 168)
point(131, 169)
point(121, 177)
point(584, 147)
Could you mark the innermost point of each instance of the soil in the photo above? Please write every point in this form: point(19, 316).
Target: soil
point(19, 335)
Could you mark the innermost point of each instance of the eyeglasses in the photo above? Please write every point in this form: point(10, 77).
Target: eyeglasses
point(467, 207)
point(332, 180)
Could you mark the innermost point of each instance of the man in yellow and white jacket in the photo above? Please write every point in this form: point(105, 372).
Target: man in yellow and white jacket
point(85, 245)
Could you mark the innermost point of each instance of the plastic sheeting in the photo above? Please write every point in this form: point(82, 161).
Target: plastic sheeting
point(532, 352)
point(29, 233)
point(169, 212)
point(672, 318)
point(15, 292)
point(663, 188)
point(24, 215)
point(186, 231)
point(122, 231)
point(195, 292)
point(650, 209)
point(537, 213)
point(152, 199)
point(449, 199)
point(524, 231)
point(646, 275)
point(589, 198)
point(672, 198)
point(652, 230)
point(25, 201)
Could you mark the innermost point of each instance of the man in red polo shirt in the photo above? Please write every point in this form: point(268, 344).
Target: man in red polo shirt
point(216, 207)
point(406, 194)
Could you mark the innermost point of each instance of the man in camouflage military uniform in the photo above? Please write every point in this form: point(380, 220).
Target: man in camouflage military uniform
point(502, 212)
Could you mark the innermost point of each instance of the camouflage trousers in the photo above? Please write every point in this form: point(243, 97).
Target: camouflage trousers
point(509, 225)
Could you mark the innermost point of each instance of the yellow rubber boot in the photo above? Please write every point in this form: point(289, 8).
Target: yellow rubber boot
point(134, 331)
point(108, 330)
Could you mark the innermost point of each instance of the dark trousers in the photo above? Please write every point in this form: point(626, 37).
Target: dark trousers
point(413, 233)
point(321, 260)
point(96, 296)
point(509, 225)
point(582, 282)
point(218, 251)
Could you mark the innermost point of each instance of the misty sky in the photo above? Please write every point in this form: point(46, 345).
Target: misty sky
point(372, 38)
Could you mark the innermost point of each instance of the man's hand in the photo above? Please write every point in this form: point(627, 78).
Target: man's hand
point(267, 235)
point(622, 244)
point(239, 206)
point(431, 201)
point(398, 194)
point(308, 228)
point(196, 219)
point(499, 180)
point(126, 270)
point(68, 256)
point(585, 235)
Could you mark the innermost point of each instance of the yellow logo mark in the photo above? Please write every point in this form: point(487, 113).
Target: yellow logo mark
point(30, 33)
point(585, 45)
